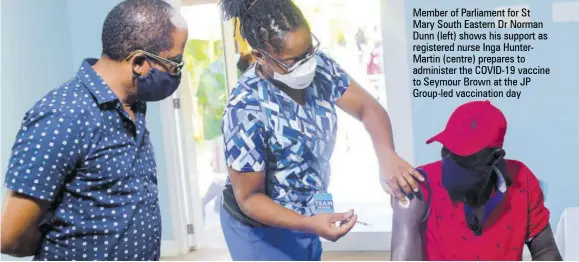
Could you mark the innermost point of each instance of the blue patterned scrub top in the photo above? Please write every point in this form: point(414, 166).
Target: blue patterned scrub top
point(265, 130)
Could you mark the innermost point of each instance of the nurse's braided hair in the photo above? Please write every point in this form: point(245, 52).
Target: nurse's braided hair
point(263, 23)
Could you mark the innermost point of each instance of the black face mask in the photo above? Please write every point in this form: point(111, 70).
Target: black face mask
point(472, 179)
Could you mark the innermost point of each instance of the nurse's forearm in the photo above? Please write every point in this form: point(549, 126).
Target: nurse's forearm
point(358, 103)
point(377, 123)
point(261, 208)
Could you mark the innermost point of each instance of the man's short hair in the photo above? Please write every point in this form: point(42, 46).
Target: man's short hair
point(138, 25)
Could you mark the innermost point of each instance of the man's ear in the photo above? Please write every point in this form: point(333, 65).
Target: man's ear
point(444, 152)
point(497, 155)
point(137, 63)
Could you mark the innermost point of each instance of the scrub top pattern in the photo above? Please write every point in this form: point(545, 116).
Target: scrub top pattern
point(265, 130)
point(80, 151)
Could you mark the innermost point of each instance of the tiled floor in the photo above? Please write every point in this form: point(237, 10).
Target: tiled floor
point(357, 256)
point(221, 255)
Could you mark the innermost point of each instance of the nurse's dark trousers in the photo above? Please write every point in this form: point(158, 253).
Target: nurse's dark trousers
point(247, 243)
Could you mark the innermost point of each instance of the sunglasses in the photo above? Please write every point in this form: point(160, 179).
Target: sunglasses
point(299, 60)
point(172, 65)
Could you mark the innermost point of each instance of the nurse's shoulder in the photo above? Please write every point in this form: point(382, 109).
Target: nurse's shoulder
point(326, 64)
point(246, 90)
point(245, 102)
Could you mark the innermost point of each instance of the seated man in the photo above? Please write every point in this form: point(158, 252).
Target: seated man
point(474, 205)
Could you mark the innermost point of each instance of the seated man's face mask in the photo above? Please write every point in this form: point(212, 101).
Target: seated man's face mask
point(471, 179)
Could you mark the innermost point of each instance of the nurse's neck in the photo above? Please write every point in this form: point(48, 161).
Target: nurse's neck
point(121, 84)
point(298, 96)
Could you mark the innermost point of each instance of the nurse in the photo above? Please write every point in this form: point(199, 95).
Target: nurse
point(279, 131)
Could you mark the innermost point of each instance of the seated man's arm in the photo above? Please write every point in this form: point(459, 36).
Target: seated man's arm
point(408, 229)
point(543, 246)
point(541, 242)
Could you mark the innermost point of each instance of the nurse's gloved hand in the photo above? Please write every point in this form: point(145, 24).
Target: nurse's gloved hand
point(332, 226)
point(399, 177)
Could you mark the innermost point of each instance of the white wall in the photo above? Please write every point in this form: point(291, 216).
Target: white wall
point(35, 58)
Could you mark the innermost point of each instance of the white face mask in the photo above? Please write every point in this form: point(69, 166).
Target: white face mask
point(301, 77)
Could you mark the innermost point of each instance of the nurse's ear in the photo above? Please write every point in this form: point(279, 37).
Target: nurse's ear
point(259, 57)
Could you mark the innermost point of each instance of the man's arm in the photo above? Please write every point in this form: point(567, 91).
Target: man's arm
point(361, 105)
point(541, 242)
point(20, 220)
point(46, 150)
point(408, 229)
point(543, 246)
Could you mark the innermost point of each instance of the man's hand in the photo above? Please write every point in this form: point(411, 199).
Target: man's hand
point(398, 177)
point(324, 225)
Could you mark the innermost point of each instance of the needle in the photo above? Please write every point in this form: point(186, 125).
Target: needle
point(362, 223)
point(338, 224)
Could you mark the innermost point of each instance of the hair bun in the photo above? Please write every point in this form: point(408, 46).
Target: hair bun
point(235, 8)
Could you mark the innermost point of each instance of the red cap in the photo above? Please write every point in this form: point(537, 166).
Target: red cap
point(472, 127)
